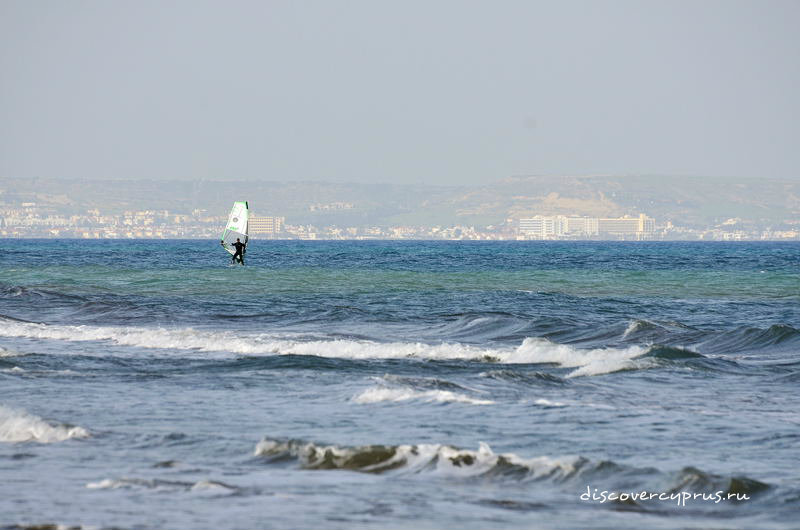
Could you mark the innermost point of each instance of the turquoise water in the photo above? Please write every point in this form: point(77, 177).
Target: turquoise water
point(398, 384)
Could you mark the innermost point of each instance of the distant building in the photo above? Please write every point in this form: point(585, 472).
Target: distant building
point(265, 225)
point(641, 226)
point(561, 226)
point(538, 226)
point(330, 206)
point(579, 226)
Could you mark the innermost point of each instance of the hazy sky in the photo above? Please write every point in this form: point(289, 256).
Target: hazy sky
point(407, 91)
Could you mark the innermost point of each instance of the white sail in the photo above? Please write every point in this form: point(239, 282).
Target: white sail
point(236, 227)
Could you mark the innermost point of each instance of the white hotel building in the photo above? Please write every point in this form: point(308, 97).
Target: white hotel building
point(561, 226)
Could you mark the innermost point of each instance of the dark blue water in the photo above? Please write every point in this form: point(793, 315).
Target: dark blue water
point(149, 384)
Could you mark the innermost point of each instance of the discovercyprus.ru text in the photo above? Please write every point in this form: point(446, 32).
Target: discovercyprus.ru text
point(679, 497)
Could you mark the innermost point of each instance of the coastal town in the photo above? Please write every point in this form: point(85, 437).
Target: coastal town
point(30, 220)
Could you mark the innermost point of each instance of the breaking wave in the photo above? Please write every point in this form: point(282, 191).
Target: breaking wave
point(452, 462)
point(532, 350)
point(394, 388)
point(586, 362)
point(422, 458)
point(525, 378)
point(648, 330)
point(159, 484)
point(19, 426)
point(378, 394)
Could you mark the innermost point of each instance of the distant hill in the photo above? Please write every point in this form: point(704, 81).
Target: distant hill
point(686, 201)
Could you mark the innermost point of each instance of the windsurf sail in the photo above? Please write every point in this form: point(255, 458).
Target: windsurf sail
point(236, 227)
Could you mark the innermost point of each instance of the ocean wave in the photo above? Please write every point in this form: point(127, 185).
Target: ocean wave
point(381, 394)
point(396, 388)
point(647, 329)
point(749, 339)
point(21, 291)
point(48, 526)
point(422, 458)
point(453, 463)
point(637, 326)
point(12, 319)
point(159, 484)
point(525, 377)
point(5, 352)
point(693, 479)
point(258, 344)
point(672, 353)
point(547, 403)
point(34, 373)
point(532, 350)
point(673, 356)
point(485, 326)
point(586, 362)
point(19, 426)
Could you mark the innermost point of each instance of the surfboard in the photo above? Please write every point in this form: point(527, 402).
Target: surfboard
point(237, 226)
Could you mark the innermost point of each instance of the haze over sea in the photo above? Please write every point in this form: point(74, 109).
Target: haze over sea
point(378, 384)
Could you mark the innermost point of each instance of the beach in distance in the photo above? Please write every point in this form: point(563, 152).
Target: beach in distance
point(399, 384)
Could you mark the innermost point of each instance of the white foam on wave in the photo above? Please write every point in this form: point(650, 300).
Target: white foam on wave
point(211, 485)
point(633, 327)
point(158, 484)
point(548, 403)
point(421, 458)
point(379, 394)
point(19, 426)
point(639, 325)
point(453, 462)
point(586, 362)
point(252, 344)
point(45, 373)
point(106, 484)
point(532, 350)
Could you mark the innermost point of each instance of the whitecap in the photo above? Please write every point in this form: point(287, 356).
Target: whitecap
point(438, 459)
point(159, 484)
point(379, 394)
point(548, 403)
point(587, 362)
point(105, 484)
point(211, 485)
point(19, 426)
point(634, 326)
point(532, 350)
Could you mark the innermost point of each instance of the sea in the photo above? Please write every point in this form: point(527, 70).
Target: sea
point(399, 384)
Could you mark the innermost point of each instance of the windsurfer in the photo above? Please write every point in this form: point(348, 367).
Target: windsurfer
point(240, 247)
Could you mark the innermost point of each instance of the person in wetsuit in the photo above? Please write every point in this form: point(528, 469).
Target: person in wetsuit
point(240, 247)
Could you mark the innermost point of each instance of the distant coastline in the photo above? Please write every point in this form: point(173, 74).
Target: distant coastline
point(680, 208)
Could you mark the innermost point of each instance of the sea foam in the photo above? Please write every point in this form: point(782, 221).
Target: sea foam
point(451, 462)
point(532, 350)
point(159, 484)
point(379, 394)
point(19, 426)
point(586, 362)
point(439, 459)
